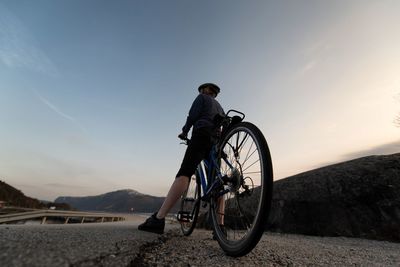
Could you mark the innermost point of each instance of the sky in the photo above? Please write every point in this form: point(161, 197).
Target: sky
point(94, 93)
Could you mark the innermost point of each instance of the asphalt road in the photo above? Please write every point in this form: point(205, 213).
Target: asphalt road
point(121, 244)
point(94, 244)
point(273, 250)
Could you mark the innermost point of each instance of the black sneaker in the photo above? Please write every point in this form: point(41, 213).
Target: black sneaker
point(214, 235)
point(153, 225)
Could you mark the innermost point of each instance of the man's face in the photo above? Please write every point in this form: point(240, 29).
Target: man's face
point(207, 91)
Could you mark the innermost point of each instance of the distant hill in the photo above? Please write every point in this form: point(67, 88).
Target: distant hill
point(15, 197)
point(357, 198)
point(117, 201)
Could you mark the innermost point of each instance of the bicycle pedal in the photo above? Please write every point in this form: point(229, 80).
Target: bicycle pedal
point(189, 199)
point(184, 216)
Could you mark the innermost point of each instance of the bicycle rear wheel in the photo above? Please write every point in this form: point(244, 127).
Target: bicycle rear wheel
point(244, 208)
point(190, 205)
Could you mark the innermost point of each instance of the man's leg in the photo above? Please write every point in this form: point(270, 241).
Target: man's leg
point(221, 211)
point(178, 187)
point(156, 223)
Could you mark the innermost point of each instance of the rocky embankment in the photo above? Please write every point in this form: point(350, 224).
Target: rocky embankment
point(358, 198)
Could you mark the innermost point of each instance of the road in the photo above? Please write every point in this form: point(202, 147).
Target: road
point(273, 250)
point(94, 244)
point(121, 244)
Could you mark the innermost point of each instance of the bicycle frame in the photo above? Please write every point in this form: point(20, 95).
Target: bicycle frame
point(209, 169)
point(205, 170)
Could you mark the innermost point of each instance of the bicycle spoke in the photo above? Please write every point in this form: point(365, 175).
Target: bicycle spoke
point(243, 144)
point(252, 164)
point(239, 147)
point(236, 151)
point(242, 215)
point(190, 206)
point(249, 156)
point(249, 150)
point(230, 149)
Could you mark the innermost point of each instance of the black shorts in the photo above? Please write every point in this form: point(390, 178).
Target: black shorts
point(198, 149)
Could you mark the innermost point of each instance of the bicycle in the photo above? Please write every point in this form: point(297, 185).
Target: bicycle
point(237, 189)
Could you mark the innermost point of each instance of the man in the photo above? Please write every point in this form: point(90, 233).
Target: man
point(202, 118)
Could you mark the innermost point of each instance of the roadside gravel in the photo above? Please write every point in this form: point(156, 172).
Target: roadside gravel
point(274, 249)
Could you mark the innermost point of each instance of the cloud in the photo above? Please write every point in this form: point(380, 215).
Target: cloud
point(313, 55)
point(18, 48)
point(53, 107)
point(306, 68)
point(68, 186)
point(57, 110)
point(385, 149)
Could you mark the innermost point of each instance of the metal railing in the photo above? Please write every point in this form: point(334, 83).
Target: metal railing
point(66, 215)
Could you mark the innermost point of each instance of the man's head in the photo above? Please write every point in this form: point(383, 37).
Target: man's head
point(209, 89)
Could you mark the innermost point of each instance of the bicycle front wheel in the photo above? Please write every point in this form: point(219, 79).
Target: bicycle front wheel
point(240, 209)
point(190, 205)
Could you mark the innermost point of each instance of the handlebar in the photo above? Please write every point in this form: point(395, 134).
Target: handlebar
point(237, 112)
point(185, 139)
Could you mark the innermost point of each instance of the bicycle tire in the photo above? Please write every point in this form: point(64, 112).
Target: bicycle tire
point(243, 245)
point(190, 203)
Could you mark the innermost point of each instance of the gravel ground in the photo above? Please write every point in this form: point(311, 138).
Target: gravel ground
point(274, 249)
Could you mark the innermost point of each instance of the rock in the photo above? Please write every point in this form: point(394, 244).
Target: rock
point(358, 198)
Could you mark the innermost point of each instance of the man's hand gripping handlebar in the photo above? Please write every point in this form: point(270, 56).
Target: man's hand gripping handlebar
point(184, 137)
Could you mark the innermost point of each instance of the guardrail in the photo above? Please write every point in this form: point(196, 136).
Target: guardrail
point(67, 215)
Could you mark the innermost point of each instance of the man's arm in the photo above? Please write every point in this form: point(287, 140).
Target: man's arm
point(194, 114)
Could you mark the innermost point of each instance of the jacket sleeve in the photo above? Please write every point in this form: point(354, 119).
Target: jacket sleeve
point(194, 113)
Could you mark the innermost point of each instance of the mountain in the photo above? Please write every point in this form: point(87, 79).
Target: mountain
point(117, 201)
point(357, 198)
point(15, 197)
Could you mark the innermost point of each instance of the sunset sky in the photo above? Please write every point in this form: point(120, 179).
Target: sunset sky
point(94, 93)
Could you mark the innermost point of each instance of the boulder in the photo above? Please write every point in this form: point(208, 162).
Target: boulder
point(357, 198)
